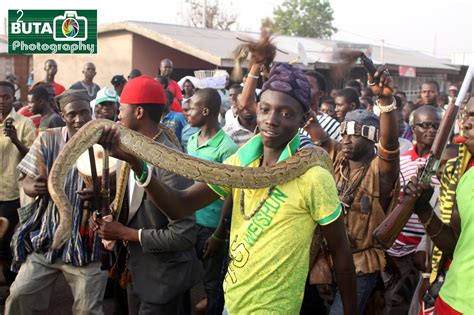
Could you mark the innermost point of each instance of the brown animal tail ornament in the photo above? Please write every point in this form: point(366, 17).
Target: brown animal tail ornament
point(262, 51)
point(346, 59)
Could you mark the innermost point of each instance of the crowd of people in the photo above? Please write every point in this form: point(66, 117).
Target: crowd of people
point(301, 247)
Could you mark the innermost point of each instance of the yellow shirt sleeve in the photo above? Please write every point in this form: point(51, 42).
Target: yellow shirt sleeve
point(320, 194)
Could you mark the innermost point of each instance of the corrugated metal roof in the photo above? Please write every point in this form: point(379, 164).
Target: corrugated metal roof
point(216, 46)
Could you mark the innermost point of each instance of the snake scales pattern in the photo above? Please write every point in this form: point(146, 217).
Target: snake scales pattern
point(174, 161)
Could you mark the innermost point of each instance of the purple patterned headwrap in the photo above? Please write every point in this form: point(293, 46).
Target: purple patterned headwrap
point(290, 80)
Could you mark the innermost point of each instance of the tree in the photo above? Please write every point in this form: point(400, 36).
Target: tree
point(307, 18)
point(216, 14)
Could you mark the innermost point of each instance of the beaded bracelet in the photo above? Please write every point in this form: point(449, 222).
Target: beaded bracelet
point(387, 108)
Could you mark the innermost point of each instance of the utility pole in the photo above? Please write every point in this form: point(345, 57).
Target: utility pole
point(381, 51)
point(204, 15)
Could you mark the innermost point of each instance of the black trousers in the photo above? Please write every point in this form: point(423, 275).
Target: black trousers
point(179, 305)
point(8, 209)
point(212, 270)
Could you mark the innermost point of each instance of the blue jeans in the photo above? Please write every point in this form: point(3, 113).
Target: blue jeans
point(365, 286)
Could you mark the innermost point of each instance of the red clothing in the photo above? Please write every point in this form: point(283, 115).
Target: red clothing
point(442, 308)
point(58, 88)
point(25, 111)
point(173, 87)
point(471, 164)
point(176, 107)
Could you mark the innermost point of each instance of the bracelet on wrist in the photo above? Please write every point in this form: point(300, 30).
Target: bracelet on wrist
point(147, 181)
point(144, 174)
point(426, 275)
point(253, 76)
point(437, 233)
point(386, 108)
point(427, 223)
point(214, 237)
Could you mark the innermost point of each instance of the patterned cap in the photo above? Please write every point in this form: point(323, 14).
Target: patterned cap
point(290, 80)
point(363, 117)
point(70, 96)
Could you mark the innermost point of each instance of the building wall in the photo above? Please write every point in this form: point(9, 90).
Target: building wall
point(20, 66)
point(147, 55)
point(114, 56)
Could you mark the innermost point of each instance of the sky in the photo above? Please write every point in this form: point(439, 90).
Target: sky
point(436, 27)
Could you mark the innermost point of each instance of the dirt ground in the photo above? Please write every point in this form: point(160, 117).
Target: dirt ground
point(63, 298)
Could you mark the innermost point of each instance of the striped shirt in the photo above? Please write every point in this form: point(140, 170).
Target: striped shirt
point(330, 125)
point(305, 142)
point(408, 240)
point(36, 233)
point(237, 132)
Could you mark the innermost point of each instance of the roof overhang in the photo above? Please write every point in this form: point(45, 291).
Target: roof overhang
point(163, 39)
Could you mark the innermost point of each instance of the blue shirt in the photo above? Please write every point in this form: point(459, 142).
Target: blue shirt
point(176, 122)
point(216, 149)
point(187, 132)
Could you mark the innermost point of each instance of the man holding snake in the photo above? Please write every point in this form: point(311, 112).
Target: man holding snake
point(272, 227)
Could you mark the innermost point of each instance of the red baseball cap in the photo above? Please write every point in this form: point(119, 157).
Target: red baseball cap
point(143, 90)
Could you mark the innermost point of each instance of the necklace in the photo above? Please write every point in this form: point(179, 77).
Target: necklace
point(89, 88)
point(350, 183)
point(259, 206)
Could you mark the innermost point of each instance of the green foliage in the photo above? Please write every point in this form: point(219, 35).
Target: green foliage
point(307, 18)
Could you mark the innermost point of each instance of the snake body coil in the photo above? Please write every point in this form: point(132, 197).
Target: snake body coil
point(171, 160)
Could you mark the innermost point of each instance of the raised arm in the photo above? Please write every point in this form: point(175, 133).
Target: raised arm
point(389, 162)
point(247, 99)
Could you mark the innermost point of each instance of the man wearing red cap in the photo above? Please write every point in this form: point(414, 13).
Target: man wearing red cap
point(162, 259)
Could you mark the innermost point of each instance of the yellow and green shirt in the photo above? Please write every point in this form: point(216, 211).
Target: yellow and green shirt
point(269, 254)
point(457, 290)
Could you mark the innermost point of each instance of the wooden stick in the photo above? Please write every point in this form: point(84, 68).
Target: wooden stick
point(95, 180)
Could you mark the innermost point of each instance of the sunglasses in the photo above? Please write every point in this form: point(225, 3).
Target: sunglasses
point(427, 125)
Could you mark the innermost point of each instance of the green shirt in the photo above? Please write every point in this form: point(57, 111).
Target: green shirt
point(216, 149)
point(458, 290)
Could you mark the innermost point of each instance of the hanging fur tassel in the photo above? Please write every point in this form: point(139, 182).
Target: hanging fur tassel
point(262, 51)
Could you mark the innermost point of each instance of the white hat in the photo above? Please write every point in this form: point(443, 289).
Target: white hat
point(105, 95)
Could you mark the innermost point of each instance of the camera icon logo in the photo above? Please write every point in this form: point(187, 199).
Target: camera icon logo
point(70, 27)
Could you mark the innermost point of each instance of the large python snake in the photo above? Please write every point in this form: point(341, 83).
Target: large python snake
point(171, 160)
